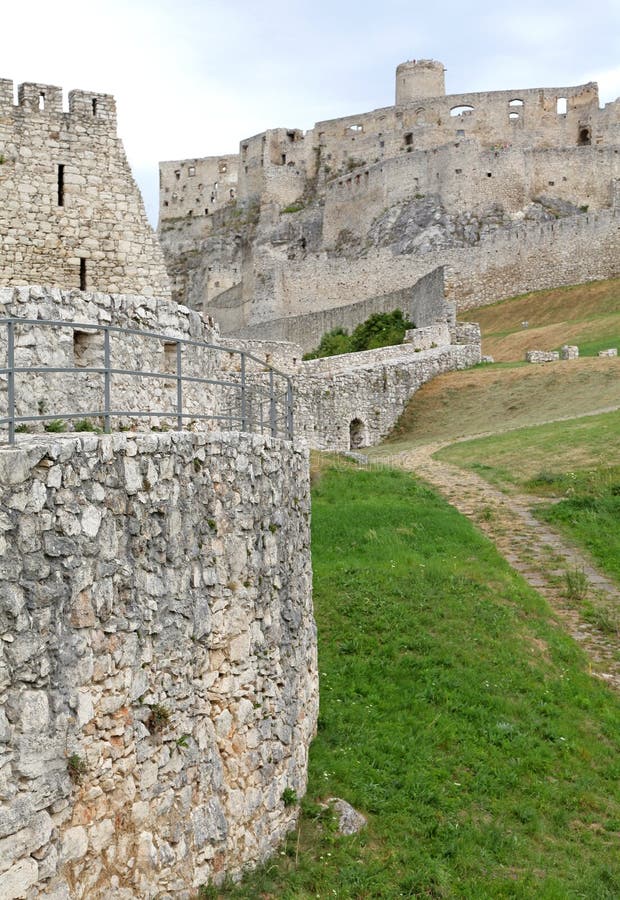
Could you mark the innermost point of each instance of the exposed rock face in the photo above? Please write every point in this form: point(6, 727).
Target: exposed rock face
point(158, 660)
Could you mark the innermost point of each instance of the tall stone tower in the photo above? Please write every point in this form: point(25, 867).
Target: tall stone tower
point(419, 78)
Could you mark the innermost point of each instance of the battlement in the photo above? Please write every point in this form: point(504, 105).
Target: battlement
point(48, 100)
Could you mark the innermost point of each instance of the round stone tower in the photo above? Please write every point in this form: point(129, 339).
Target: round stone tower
point(419, 78)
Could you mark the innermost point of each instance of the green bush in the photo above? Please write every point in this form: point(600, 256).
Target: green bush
point(379, 330)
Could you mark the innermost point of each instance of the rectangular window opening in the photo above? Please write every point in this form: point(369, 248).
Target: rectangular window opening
point(61, 184)
point(82, 274)
point(170, 357)
point(87, 349)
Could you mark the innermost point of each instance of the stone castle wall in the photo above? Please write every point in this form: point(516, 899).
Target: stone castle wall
point(423, 304)
point(71, 214)
point(501, 264)
point(158, 663)
point(354, 400)
point(51, 394)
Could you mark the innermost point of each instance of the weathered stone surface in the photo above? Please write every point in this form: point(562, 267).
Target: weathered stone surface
point(70, 212)
point(541, 356)
point(569, 351)
point(152, 673)
point(350, 821)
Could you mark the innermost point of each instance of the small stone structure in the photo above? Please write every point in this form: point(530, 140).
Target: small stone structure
point(158, 660)
point(612, 351)
point(569, 351)
point(71, 214)
point(541, 356)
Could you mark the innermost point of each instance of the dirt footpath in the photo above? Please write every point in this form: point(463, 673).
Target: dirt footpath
point(537, 552)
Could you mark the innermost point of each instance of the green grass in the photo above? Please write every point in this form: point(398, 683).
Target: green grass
point(577, 461)
point(455, 714)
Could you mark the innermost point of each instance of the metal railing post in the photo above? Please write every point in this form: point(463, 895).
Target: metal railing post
point(10, 364)
point(244, 423)
point(179, 389)
point(107, 382)
point(272, 405)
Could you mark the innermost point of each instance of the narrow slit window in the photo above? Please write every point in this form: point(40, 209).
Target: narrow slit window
point(94, 101)
point(61, 184)
point(82, 274)
point(41, 101)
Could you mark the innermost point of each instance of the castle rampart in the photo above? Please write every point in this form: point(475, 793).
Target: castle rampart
point(71, 214)
point(158, 662)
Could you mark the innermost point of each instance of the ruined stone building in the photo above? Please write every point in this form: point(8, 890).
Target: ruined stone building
point(71, 214)
point(509, 190)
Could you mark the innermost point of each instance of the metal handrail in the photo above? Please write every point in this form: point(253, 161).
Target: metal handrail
point(244, 420)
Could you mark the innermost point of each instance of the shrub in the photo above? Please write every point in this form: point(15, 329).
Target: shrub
point(379, 330)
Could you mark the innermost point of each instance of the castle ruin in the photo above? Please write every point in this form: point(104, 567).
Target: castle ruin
point(71, 214)
point(510, 191)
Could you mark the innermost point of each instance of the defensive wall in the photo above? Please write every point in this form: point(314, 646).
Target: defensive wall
point(83, 347)
point(366, 205)
point(354, 400)
point(422, 304)
point(501, 264)
point(158, 663)
point(71, 214)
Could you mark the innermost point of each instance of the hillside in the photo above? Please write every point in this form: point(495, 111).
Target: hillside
point(587, 315)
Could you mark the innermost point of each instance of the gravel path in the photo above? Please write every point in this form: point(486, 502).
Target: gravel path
point(537, 552)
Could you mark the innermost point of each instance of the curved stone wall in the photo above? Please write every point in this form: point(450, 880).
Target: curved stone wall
point(158, 660)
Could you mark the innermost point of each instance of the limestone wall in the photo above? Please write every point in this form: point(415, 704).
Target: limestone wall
point(423, 303)
point(344, 402)
point(158, 679)
point(570, 251)
point(71, 214)
point(52, 394)
point(197, 187)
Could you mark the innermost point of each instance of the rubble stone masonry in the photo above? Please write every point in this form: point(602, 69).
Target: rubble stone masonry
point(158, 679)
point(71, 214)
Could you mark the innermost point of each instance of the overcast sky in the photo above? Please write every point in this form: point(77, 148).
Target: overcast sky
point(194, 77)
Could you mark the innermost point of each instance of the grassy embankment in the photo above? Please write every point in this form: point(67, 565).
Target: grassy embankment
point(574, 463)
point(455, 713)
point(586, 314)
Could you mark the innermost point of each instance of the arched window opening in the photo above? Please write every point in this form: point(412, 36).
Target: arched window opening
point(514, 103)
point(513, 116)
point(461, 110)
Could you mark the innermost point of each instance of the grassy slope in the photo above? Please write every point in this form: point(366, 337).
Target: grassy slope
point(577, 461)
point(490, 399)
point(587, 315)
point(454, 713)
